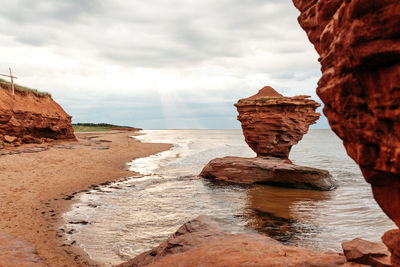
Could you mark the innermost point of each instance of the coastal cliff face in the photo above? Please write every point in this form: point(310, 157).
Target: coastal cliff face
point(359, 47)
point(273, 123)
point(29, 118)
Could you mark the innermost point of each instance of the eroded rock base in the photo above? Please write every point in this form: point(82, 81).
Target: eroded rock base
point(268, 170)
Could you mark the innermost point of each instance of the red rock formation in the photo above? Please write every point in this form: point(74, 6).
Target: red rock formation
point(271, 171)
point(272, 123)
point(28, 118)
point(190, 235)
point(203, 242)
point(392, 241)
point(249, 250)
point(366, 252)
point(359, 47)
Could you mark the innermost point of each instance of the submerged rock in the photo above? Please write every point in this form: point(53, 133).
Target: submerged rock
point(17, 252)
point(272, 171)
point(202, 242)
point(273, 123)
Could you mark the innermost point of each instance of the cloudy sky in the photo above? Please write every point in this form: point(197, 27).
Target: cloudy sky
point(157, 64)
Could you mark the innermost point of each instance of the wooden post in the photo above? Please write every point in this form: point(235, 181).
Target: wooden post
point(12, 81)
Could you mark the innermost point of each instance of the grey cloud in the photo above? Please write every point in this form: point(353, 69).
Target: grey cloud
point(154, 33)
point(37, 12)
point(197, 41)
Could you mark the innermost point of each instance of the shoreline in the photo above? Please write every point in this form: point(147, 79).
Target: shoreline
point(37, 188)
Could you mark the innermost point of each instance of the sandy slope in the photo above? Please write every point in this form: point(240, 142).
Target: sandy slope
point(33, 187)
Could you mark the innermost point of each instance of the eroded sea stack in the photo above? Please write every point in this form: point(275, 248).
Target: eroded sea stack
point(359, 47)
point(31, 117)
point(272, 124)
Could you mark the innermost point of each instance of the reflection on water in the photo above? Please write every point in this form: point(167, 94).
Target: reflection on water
point(269, 211)
point(132, 216)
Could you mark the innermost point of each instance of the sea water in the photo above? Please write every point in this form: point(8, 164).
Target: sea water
point(129, 217)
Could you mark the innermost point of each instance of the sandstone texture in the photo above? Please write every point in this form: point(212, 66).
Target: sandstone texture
point(203, 242)
point(271, 171)
point(366, 252)
point(188, 236)
point(272, 123)
point(359, 47)
point(392, 241)
point(17, 252)
point(28, 118)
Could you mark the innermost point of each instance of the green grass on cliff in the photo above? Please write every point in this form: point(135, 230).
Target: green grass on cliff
point(22, 89)
point(97, 127)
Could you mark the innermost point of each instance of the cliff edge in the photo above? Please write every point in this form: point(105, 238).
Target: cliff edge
point(31, 117)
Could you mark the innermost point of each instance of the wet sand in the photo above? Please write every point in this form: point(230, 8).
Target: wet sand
point(36, 188)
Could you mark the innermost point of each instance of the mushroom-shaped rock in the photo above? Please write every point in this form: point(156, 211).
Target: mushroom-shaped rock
point(273, 123)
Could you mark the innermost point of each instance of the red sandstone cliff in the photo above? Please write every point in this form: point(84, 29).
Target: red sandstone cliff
point(359, 47)
point(273, 123)
point(30, 118)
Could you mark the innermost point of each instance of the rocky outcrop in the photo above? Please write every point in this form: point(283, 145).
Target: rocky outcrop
point(30, 118)
point(366, 252)
point(272, 123)
point(271, 171)
point(359, 47)
point(392, 241)
point(202, 241)
point(17, 252)
point(190, 235)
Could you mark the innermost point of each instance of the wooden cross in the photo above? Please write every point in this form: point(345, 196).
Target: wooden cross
point(12, 79)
